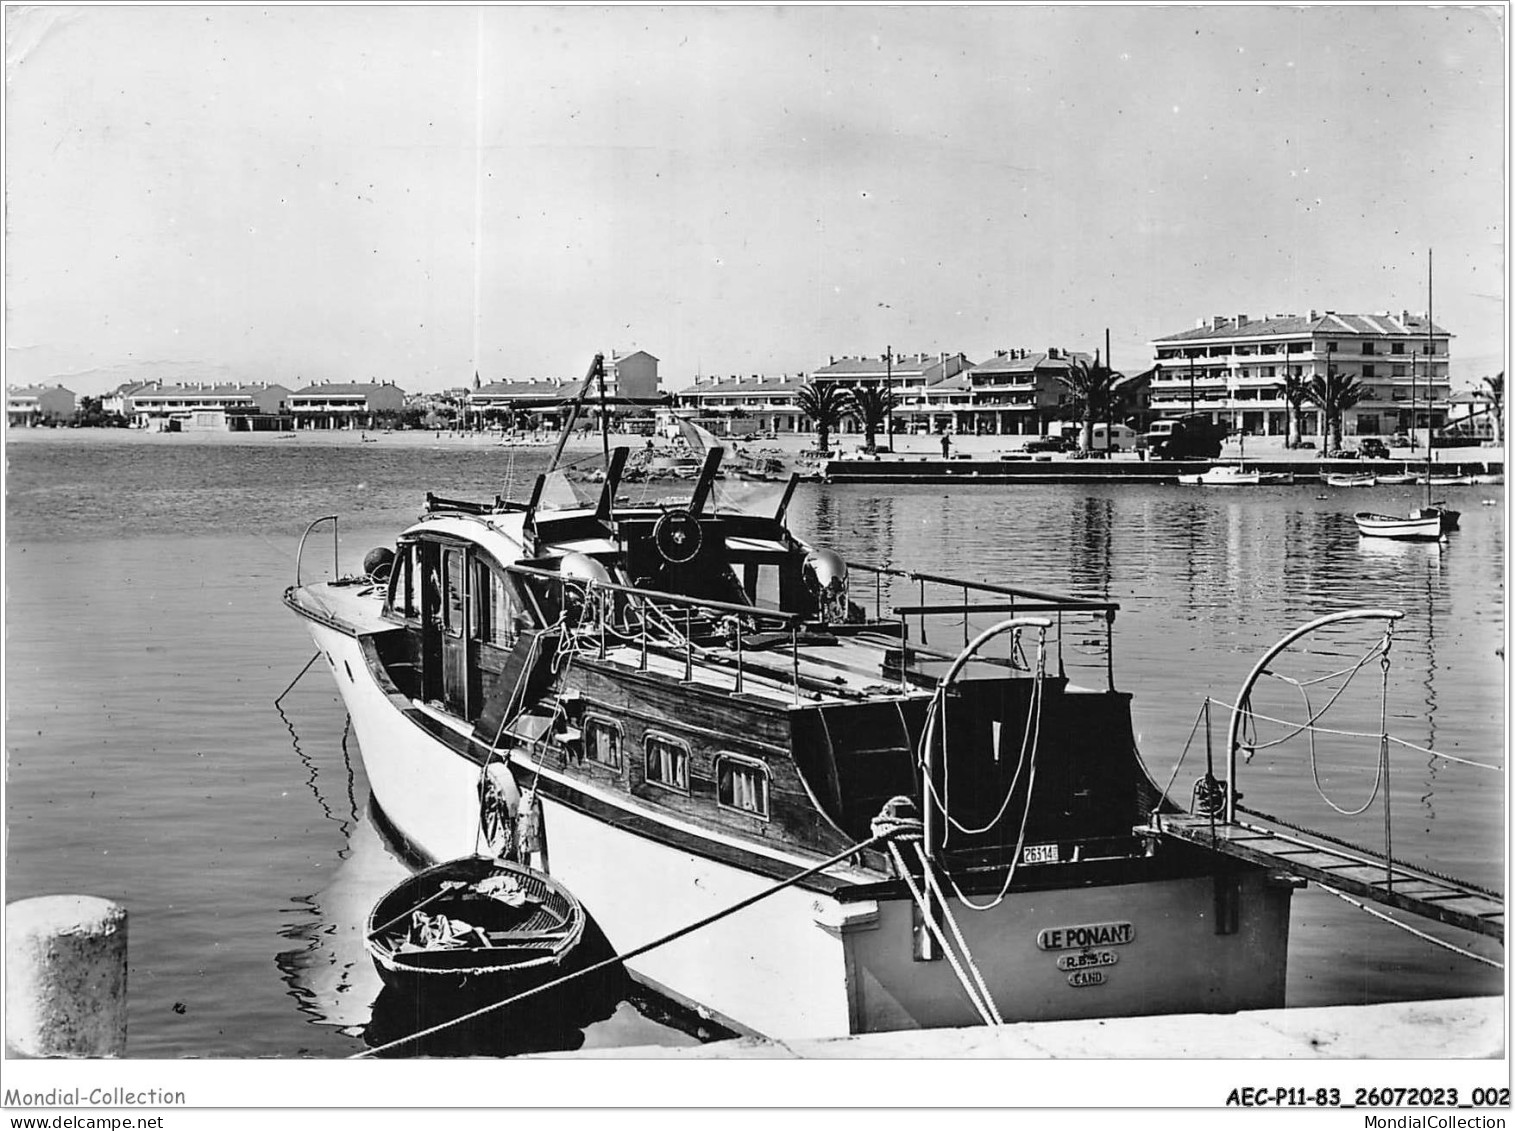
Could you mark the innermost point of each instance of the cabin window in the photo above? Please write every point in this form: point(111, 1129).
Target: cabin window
point(494, 613)
point(602, 742)
point(667, 763)
point(404, 593)
point(741, 784)
point(454, 592)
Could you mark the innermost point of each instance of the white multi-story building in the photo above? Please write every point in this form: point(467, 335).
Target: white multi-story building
point(333, 404)
point(214, 407)
point(1233, 368)
point(36, 404)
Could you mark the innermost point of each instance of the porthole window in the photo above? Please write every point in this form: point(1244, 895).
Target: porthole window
point(741, 784)
point(667, 762)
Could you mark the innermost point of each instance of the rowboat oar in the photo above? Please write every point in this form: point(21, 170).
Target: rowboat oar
point(448, 886)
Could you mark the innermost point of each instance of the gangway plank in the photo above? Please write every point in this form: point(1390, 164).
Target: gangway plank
point(1420, 893)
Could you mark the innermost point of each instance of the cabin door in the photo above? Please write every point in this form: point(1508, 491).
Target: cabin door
point(455, 629)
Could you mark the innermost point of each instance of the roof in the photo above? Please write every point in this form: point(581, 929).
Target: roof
point(34, 390)
point(522, 390)
point(748, 387)
point(197, 390)
point(341, 388)
point(871, 366)
point(1379, 325)
point(1030, 362)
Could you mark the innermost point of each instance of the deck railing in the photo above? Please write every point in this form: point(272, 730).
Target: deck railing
point(668, 623)
point(1021, 601)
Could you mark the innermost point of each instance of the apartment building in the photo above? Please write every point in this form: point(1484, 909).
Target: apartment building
point(32, 405)
point(334, 404)
point(197, 406)
point(768, 401)
point(1231, 368)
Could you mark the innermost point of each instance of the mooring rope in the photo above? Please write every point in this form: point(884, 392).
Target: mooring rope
point(986, 1010)
point(885, 833)
point(929, 876)
point(1430, 938)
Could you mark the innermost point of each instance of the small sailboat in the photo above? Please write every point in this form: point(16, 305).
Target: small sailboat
point(1430, 521)
point(1236, 474)
point(1396, 479)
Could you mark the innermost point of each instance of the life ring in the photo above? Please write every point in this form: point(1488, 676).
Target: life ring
point(677, 536)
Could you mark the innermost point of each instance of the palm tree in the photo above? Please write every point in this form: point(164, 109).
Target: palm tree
point(1092, 385)
point(1296, 391)
point(869, 404)
point(1493, 392)
point(1334, 393)
point(825, 403)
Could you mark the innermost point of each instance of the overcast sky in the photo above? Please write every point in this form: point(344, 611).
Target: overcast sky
point(413, 194)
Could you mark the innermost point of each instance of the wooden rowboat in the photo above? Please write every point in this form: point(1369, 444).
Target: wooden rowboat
point(1426, 524)
point(1350, 480)
point(476, 924)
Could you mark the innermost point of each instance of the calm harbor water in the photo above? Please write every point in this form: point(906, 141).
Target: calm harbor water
point(146, 645)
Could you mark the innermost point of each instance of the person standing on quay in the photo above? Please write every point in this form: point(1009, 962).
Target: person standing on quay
point(946, 446)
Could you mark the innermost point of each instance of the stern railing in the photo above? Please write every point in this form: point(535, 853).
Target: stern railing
point(1022, 601)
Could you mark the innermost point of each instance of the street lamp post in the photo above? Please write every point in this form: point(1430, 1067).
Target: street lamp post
point(889, 395)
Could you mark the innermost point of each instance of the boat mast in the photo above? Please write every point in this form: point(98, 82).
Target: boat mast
point(1430, 372)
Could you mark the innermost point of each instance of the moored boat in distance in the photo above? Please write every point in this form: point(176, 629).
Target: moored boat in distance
point(1344, 480)
point(1224, 475)
point(781, 806)
point(1421, 525)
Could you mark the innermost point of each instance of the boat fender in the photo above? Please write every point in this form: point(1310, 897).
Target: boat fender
point(378, 562)
point(677, 536)
point(530, 834)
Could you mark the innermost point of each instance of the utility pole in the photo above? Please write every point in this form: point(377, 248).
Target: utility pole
point(1191, 383)
point(889, 395)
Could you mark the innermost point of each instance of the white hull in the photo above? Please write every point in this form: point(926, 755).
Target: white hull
point(805, 964)
point(1386, 526)
point(1223, 477)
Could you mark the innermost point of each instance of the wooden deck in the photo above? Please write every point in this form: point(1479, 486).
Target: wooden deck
point(1317, 860)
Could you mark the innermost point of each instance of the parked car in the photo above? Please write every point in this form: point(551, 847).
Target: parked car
point(1373, 448)
point(1049, 444)
point(1340, 453)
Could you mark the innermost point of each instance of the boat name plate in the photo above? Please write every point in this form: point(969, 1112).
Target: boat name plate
point(1087, 960)
point(1080, 978)
point(1085, 935)
point(1039, 854)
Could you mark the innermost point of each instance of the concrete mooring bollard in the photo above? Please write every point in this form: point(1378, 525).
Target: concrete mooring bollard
point(65, 976)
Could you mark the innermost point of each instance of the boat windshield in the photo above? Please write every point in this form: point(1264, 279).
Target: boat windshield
point(664, 477)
